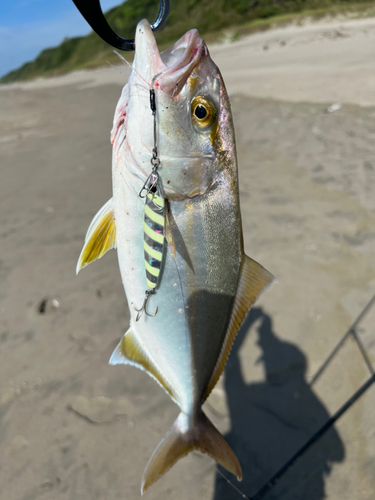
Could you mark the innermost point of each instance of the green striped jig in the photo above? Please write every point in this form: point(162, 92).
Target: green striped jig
point(154, 222)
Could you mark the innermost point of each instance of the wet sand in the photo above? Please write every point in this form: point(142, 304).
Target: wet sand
point(73, 427)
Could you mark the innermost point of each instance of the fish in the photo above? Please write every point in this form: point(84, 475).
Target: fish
point(182, 323)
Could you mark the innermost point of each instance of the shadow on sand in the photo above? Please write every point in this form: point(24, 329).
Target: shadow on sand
point(271, 420)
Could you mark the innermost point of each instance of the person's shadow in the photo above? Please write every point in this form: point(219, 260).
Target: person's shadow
point(271, 420)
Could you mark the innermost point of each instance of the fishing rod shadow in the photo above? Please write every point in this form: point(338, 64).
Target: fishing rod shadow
point(272, 419)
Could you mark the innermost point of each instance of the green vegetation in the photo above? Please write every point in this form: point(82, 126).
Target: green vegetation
point(215, 19)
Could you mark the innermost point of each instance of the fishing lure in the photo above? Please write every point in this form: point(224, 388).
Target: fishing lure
point(154, 222)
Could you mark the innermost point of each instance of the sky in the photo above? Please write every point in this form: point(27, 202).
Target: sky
point(29, 26)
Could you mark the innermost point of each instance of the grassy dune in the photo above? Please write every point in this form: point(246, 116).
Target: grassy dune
point(214, 18)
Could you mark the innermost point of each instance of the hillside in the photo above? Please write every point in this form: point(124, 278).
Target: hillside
point(208, 16)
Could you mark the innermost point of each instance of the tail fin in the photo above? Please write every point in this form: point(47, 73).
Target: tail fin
point(181, 440)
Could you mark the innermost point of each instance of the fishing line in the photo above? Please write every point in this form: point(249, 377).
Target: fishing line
point(154, 219)
point(330, 422)
point(342, 341)
point(361, 347)
point(147, 86)
point(276, 477)
point(127, 63)
point(273, 481)
point(233, 486)
point(116, 68)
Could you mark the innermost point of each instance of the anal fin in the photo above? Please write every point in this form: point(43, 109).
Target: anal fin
point(130, 352)
point(100, 237)
point(254, 280)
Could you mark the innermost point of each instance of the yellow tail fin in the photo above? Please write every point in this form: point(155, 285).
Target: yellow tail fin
point(181, 439)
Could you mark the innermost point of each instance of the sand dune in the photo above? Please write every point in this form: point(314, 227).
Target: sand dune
point(317, 62)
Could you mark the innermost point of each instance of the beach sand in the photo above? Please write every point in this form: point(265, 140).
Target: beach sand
point(73, 427)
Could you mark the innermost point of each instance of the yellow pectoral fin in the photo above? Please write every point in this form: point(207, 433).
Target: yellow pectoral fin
point(100, 237)
point(254, 280)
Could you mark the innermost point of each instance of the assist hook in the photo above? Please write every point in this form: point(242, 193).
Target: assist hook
point(92, 12)
point(144, 306)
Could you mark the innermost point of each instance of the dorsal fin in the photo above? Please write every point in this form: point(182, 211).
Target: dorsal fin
point(254, 280)
point(130, 352)
point(100, 236)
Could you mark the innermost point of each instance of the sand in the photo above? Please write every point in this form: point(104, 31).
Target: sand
point(73, 427)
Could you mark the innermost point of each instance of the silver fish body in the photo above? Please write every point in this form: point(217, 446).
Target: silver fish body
point(206, 284)
point(196, 292)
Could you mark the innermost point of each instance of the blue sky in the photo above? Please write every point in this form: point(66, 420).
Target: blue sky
point(29, 26)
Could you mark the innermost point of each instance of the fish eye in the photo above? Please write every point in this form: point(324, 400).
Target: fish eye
point(203, 112)
point(200, 112)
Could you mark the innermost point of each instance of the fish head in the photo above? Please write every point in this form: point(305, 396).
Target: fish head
point(193, 120)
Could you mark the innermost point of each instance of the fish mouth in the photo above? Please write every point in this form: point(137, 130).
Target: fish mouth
point(171, 68)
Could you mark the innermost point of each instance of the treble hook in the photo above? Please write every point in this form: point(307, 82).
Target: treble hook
point(144, 306)
point(92, 12)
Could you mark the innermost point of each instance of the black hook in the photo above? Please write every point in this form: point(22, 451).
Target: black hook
point(92, 12)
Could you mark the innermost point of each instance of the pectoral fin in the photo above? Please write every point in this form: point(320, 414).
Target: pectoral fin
point(130, 352)
point(254, 280)
point(100, 236)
